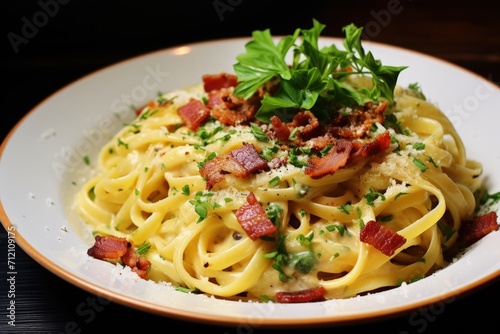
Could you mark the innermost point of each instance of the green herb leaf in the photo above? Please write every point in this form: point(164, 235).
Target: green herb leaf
point(420, 165)
point(316, 78)
point(262, 61)
point(372, 196)
point(143, 249)
point(258, 133)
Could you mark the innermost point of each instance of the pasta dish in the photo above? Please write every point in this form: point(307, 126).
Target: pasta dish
point(317, 179)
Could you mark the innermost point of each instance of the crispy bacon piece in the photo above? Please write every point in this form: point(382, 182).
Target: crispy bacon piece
point(336, 158)
point(281, 130)
point(277, 162)
point(344, 152)
point(310, 132)
point(321, 142)
point(138, 263)
point(474, 229)
point(254, 219)
point(109, 247)
point(213, 171)
point(114, 249)
point(248, 157)
point(382, 238)
point(240, 163)
point(308, 124)
point(379, 144)
point(193, 113)
point(358, 122)
point(304, 296)
point(306, 128)
point(218, 81)
point(230, 109)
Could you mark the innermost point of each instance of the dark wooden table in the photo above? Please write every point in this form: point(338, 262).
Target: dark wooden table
point(48, 44)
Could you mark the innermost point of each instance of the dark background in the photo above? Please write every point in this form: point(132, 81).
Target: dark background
point(47, 44)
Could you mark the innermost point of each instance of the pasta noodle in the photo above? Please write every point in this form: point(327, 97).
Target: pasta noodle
point(149, 178)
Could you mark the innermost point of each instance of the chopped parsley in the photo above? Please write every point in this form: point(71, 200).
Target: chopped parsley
point(346, 208)
point(122, 143)
point(258, 133)
point(420, 165)
point(143, 249)
point(274, 181)
point(185, 190)
point(336, 227)
point(202, 204)
point(372, 196)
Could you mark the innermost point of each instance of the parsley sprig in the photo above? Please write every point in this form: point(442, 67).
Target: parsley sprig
point(315, 79)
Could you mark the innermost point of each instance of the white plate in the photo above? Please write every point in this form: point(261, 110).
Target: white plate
point(43, 155)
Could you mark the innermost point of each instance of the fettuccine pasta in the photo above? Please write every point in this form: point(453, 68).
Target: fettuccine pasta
point(149, 178)
point(242, 209)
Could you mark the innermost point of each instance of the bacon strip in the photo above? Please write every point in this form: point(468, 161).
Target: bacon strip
point(213, 171)
point(138, 263)
point(336, 158)
point(281, 130)
point(304, 296)
point(358, 122)
point(230, 109)
point(193, 113)
point(472, 230)
point(218, 81)
point(240, 163)
point(249, 158)
point(307, 123)
point(379, 144)
point(344, 152)
point(254, 219)
point(382, 238)
point(114, 249)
